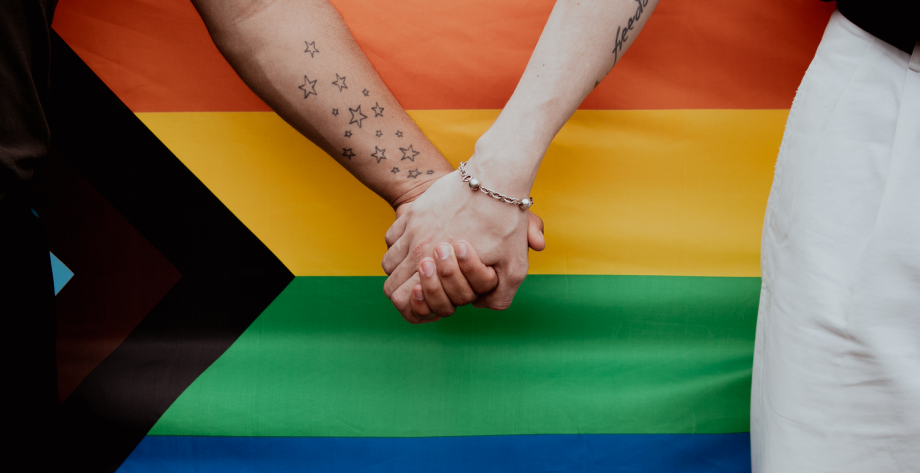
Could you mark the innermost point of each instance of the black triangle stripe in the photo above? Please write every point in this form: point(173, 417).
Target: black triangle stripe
point(229, 276)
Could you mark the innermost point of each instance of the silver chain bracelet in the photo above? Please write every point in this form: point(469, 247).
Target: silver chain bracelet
point(524, 204)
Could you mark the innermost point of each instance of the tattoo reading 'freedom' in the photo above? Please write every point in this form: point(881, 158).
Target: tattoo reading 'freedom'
point(623, 32)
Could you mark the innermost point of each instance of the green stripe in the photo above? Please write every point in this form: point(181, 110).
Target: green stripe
point(575, 354)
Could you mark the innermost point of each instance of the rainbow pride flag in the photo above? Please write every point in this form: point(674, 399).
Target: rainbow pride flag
point(226, 314)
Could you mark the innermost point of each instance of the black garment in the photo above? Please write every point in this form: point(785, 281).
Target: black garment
point(26, 284)
point(28, 347)
point(895, 22)
point(24, 58)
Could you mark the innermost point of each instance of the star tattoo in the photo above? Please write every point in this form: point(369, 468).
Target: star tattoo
point(379, 133)
point(366, 92)
point(394, 170)
point(409, 153)
point(308, 87)
point(356, 116)
point(311, 48)
point(378, 110)
point(414, 173)
point(347, 133)
point(430, 172)
point(378, 154)
point(335, 112)
point(398, 133)
point(348, 153)
point(339, 82)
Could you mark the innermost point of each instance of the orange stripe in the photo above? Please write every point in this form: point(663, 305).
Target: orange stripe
point(464, 54)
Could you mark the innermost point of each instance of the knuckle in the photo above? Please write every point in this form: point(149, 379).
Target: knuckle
point(399, 302)
point(499, 305)
point(482, 288)
point(388, 289)
point(446, 311)
point(466, 299)
point(446, 271)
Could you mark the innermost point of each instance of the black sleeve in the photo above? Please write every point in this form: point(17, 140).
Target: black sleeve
point(897, 22)
point(24, 62)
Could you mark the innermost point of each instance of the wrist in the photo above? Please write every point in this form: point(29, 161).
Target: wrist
point(411, 192)
point(508, 166)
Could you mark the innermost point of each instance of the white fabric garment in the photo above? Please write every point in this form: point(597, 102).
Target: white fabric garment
point(836, 384)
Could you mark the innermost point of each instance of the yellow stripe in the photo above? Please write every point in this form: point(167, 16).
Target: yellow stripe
point(665, 192)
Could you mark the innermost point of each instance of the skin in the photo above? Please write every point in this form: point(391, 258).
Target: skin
point(301, 59)
point(582, 41)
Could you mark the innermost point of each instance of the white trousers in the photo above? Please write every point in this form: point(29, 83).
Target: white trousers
point(836, 383)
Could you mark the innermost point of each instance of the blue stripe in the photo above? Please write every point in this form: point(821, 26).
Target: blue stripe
point(60, 273)
point(684, 453)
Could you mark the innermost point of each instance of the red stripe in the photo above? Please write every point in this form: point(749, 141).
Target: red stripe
point(464, 54)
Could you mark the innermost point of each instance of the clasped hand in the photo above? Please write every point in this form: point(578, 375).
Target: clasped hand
point(452, 246)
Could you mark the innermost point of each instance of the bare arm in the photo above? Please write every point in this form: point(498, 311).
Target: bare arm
point(580, 44)
point(301, 59)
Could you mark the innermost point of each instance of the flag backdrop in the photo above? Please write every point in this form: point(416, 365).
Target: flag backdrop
point(225, 314)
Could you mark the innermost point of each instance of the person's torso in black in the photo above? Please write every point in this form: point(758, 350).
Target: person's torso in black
point(895, 22)
point(24, 63)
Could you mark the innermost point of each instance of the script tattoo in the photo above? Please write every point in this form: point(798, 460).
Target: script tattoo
point(378, 110)
point(356, 115)
point(308, 87)
point(347, 152)
point(409, 153)
point(339, 82)
point(311, 48)
point(623, 31)
point(378, 154)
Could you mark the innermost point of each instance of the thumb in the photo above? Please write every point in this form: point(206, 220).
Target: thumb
point(535, 238)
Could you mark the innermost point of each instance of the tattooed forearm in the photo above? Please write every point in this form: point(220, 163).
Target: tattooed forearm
point(307, 46)
point(357, 117)
point(623, 31)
